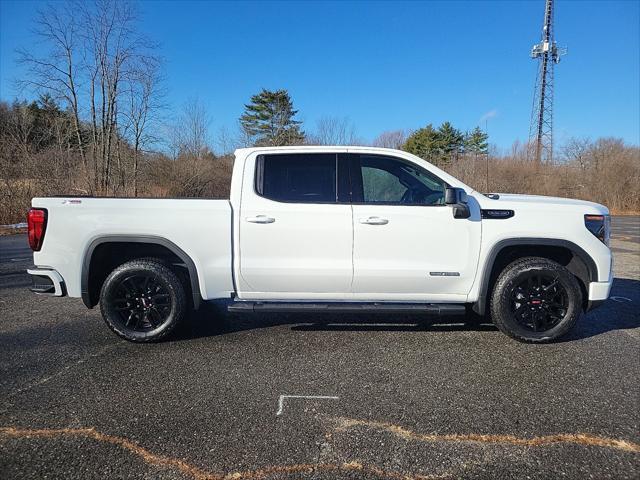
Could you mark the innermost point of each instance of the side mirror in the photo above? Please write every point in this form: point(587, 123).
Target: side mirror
point(457, 198)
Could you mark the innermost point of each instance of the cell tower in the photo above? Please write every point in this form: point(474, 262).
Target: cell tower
point(548, 54)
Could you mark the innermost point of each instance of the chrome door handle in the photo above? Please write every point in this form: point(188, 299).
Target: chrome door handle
point(374, 221)
point(260, 219)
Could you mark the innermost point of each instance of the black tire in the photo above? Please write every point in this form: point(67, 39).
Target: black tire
point(143, 300)
point(536, 300)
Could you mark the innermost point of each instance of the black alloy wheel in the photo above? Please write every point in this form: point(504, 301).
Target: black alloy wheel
point(143, 300)
point(536, 300)
point(539, 302)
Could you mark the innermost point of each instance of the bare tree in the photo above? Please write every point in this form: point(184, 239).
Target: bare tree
point(145, 101)
point(391, 139)
point(243, 138)
point(226, 141)
point(56, 72)
point(113, 53)
point(189, 135)
point(334, 131)
point(577, 150)
point(93, 65)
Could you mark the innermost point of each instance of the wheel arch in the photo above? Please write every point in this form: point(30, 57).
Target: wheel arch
point(88, 283)
point(567, 253)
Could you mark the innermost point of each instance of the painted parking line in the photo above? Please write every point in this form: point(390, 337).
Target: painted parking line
point(621, 299)
point(312, 397)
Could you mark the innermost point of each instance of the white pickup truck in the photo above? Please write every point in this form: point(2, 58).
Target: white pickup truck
point(331, 229)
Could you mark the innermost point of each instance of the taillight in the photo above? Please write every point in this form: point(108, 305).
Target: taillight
point(36, 226)
point(599, 225)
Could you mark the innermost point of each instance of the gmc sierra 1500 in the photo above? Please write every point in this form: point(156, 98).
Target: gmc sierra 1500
point(336, 229)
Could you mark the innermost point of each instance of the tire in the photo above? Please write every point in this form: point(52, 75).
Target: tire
point(143, 300)
point(536, 300)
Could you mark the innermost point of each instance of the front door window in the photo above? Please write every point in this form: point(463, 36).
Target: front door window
point(391, 181)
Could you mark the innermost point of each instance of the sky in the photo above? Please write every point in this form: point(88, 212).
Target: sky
point(387, 65)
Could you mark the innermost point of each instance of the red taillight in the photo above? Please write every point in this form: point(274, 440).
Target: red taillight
point(37, 224)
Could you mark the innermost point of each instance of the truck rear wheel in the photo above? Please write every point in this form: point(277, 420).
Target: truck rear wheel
point(142, 300)
point(536, 300)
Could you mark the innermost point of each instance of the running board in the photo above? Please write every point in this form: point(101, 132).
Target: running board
point(440, 309)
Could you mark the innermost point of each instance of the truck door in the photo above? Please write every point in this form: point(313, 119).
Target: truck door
point(296, 228)
point(407, 245)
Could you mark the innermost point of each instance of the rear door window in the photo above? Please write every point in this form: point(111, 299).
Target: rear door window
point(299, 178)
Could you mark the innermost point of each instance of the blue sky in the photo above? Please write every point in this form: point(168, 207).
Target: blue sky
point(389, 65)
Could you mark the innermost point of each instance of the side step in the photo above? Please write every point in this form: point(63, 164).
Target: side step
point(343, 307)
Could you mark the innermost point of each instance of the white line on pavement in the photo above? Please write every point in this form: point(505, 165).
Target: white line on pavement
point(314, 397)
point(621, 299)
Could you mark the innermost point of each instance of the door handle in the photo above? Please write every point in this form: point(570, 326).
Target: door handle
point(374, 221)
point(260, 219)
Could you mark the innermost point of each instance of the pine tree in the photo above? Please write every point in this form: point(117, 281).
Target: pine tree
point(269, 119)
point(451, 139)
point(438, 146)
point(425, 143)
point(476, 141)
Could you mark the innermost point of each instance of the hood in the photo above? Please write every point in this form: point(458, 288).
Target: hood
point(511, 200)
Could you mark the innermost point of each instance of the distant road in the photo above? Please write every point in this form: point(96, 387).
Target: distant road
point(15, 258)
point(626, 227)
point(14, 247)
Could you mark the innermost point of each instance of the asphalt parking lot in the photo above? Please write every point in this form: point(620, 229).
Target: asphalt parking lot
point(407, 398)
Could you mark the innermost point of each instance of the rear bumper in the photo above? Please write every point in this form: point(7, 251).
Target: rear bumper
point(46, 282)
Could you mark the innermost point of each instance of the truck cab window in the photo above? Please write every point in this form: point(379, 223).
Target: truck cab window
point(387, 180)
point(300, 178)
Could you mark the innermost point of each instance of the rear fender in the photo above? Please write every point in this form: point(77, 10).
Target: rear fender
point(86, 263)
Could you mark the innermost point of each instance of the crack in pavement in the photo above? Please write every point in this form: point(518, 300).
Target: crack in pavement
point(143, 453)
point(201, 474)
point(584, 439)
point(62, 371)
point(341, 424)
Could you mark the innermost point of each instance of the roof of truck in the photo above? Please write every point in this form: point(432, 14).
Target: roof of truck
point(246, 152)
point(318, 148)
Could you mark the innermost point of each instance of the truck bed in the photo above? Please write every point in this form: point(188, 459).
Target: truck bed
point(199, 227)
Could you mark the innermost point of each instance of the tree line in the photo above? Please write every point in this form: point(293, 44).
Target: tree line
point(100, 125)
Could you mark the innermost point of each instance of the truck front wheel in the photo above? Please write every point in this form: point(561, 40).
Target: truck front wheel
point(142, 300)
point(536, 300)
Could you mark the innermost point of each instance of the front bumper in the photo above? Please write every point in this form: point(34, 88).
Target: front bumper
point(598, 293)
point(599, 290)
point(47, 282)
